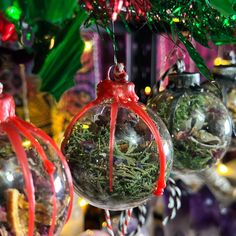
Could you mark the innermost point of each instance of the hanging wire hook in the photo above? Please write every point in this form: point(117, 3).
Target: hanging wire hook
point(109, 72)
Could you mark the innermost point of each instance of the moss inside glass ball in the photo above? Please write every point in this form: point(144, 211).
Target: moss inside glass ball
point(135, 158)
point(200, 126)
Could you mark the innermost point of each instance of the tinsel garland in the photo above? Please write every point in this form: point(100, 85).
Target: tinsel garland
point(40, 22)
point(198, 17)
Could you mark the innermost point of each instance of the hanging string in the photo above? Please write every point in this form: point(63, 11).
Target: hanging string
point(109, 224)
point(114, 42)
point(124, 220)
point(141, 217)
point(174, 200)
point(24, 92)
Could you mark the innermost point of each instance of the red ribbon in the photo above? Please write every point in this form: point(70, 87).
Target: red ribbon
point(122, 94)
point(13, 127)
point(113, 8)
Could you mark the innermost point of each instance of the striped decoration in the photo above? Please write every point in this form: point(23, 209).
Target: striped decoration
point(174, 200)
point(109, 224)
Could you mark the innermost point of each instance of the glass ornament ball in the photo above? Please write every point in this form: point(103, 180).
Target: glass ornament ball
point(199, 123)
point(225, 76)
point(135, 166)
point(36, 189)
point(14, 204)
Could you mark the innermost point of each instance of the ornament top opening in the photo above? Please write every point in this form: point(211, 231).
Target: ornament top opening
point(119, 151)
point(36, 189)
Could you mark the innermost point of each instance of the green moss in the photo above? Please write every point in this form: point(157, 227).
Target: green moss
point(135, 168)
point(186, 105)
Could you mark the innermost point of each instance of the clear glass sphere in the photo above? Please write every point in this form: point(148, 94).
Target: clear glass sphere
point(225, 77)
point(135, 158)
point(231, 105)
point(200, 126)
point(13, 194)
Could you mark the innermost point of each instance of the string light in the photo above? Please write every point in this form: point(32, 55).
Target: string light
point(13, 12)
point(26, 143)
point(176, 20)
point(222, 169)
point(52, 43)
point(104, 224)
point(82, 202)
point(220, 61)
point(88, 46)
point(147, 90)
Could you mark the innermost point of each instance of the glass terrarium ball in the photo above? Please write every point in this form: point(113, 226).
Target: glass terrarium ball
point(225, 76)
point(200, 126)
point(14, 204)
point(231, 103)
point(135, 157)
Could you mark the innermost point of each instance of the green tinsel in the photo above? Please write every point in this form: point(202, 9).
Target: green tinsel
point(205, 21)
point(197, 17)
point(53, 11)
point(63, 61)
point(226, 7)
point(5, 3)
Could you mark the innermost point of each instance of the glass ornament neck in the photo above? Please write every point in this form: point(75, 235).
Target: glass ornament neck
point(184, 79)
point(7, 106)
point(225, 72)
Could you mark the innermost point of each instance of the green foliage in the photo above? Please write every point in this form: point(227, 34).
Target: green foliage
point(13, 12)
point(53, 11)
point(165, 99)
point(197, 17)
point(226, 7)
point(190, 155)
point(200, 63)
point(135, 166)
point(186, 105)
point(64, 60)
point(184, 115)
point(222, 39)
point(4, 4)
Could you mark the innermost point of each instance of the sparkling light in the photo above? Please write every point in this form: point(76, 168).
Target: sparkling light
point(82, 202)
point(9, 176)
point(52, 43)
point(104, 224)
point(58, 184)
point(222, 169)
point(147, 90)
point(26, 143)
point(13, 12)
point(220, 61)
point(176, 20)
point(88, 46)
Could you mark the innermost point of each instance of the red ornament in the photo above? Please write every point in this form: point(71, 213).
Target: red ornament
point(7, 30)
point(121, 93)
point(51, 175)
point(114, 7)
